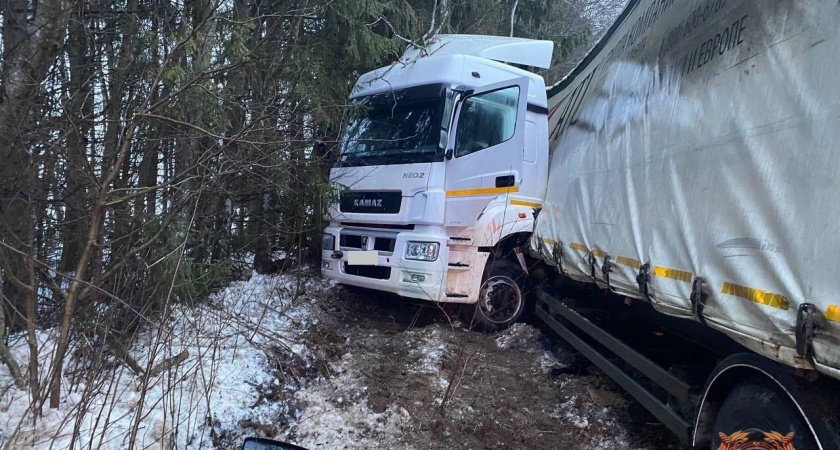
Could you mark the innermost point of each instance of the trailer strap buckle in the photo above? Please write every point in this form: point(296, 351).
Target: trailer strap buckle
point(558, 256)
point(699, 294)
point(643, 278)
point(805, 326)
point(606, 268)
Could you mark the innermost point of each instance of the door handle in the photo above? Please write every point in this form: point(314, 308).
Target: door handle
point(505, 181)
point(448, 154)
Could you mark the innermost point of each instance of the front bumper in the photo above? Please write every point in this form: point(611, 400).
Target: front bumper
point(392, 273)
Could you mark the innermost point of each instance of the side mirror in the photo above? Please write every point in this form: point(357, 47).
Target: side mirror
point(268, 444)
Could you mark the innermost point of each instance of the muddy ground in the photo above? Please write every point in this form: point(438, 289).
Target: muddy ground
point(294, 358)
point(394, 373)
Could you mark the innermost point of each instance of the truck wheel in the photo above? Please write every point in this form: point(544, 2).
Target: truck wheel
point(757, 415)
point(501, 299)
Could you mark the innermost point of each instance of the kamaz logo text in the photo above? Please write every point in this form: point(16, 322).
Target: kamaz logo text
point(367, 202)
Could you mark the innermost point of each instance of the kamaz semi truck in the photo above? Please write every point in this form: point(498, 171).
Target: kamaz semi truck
point(442, 174)
point(673, 203)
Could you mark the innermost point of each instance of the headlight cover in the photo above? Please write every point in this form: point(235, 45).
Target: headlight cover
point(328, 242)
point(422, 251)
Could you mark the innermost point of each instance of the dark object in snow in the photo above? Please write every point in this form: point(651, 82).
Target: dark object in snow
point(268, 444)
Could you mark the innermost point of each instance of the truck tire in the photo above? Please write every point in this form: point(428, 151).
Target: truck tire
point(758, 415)
point(501, 299)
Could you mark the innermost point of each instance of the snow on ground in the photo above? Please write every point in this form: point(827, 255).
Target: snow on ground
point(233, 344)
point(429, 353)
point(301, 361)
point(338, 415)
point(517, 334)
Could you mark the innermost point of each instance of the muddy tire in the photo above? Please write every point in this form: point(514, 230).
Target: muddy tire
point(757, 412)
point(501, 300)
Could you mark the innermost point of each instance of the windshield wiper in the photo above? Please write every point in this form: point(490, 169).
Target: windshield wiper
point(378, 153)
point(389, 151)
point(350, 158)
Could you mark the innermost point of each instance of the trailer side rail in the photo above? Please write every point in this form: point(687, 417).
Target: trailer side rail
point(548, 305)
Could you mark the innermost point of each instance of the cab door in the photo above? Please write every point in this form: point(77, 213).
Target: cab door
point(485, 149)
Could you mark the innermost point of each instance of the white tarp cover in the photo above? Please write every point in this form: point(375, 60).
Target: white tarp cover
point(702, 138)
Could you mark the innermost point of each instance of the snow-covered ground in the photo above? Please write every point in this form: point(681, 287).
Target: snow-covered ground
point(286, 358)
point(235, 345)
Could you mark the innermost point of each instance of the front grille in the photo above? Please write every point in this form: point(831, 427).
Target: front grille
point(350, 241)
point(380, 243)
point(384, 244)
point(377, 272)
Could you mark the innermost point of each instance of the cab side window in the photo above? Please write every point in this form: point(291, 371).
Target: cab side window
point(486, 119)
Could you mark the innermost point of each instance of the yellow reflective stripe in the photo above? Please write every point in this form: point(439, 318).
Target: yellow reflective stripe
point(599, 253)
point(756, 295)
point(629, 262)
point(833, 313)
point(482, 191)
point(524, 203)
point(579, 247)
point(667, 272)
point(549, 241)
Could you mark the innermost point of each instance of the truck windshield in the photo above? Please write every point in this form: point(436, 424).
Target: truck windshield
point(399, 127)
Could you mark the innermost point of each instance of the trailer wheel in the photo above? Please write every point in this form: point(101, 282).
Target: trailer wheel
point(757, 415)
point(501, 299)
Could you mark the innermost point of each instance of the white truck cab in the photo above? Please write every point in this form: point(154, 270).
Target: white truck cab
point(442, 172)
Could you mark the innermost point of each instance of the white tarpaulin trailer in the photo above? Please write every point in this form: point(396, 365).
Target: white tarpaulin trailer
point(696, 148)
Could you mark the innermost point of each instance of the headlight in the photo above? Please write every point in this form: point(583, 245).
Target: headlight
point(422, 251)
point(328, 242)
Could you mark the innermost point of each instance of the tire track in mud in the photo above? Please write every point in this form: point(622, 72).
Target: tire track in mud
point(399, 374)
